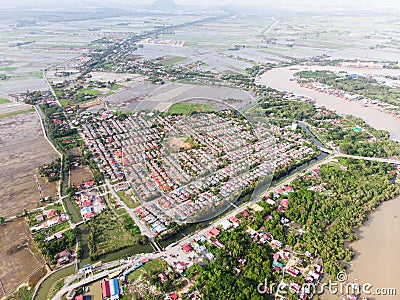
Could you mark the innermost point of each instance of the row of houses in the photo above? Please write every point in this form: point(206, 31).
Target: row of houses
point(133, 149)
point(247, 163)
point(51, 222)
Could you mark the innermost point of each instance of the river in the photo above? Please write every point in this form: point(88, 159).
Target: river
point(279, 79)
point(376, 250)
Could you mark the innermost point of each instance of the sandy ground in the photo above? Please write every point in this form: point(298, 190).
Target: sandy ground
point(95, 291)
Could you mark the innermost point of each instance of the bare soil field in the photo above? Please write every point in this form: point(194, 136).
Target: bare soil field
point(118, 77)
point(11, 107)
point(22, 149)
point(18, 259)
point(80, 175)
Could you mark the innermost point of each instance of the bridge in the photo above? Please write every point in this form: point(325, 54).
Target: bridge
point(384, 160)
point(336, 153)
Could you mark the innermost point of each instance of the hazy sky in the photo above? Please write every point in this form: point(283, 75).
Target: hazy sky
point(267, 3)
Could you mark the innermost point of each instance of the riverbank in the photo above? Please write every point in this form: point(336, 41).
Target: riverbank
point(375, 264)
point(376, 250)
point(279, 79)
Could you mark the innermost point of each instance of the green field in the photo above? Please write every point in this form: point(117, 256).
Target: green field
point(88, 91)
point(128, 200)
point(184, 108)
point(157, 265)
point(14, 113)
point(170, 60)
point(3, 101)
point(64, 102)
point(8, 69)
point(108, 233)
point(116, 87)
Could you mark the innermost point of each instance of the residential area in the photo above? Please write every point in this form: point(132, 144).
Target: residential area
point(180, 166)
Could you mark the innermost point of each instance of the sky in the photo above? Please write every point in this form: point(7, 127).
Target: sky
point(312, 4)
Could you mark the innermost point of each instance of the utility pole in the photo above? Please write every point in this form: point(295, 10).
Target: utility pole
point(39, 187)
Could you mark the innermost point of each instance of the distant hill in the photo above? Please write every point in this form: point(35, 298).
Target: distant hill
point(164, 4)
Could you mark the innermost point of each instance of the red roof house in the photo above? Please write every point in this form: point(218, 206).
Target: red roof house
point(285, 203)
point(186, 247)
point(51, 213)
point(172, 296)
point(105, 286)
point(280, 191)
point(289, 189)
point(234, 219)
point(214, 231)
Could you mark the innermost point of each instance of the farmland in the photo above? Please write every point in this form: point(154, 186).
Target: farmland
point(22, 149)
point(18, 258)
point(188, 108)
point(171, 60)
point(17, 112)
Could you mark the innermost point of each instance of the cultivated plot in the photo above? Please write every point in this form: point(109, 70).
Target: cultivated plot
point(18, 257)
point(22, 149)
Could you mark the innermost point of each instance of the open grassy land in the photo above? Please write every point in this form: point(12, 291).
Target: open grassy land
point(127, 198)
point(15, 113)
point(3, 101)
point(183, 108)
point(115, 87)
point(55, 288)
point(22, 149)
point(18, 259)
point(170, 60)
point(108, 233)
point(80, 175)
point(157, 265)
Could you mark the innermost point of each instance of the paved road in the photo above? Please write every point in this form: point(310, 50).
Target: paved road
point(171, 256)
point(384, 160)
point(175, 253)
point(143, 228)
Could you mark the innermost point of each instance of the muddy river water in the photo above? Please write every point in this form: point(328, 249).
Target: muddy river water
point(279, 79)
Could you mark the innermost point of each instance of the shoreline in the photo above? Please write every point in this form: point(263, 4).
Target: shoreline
point(376, 249)
point(370, 265)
